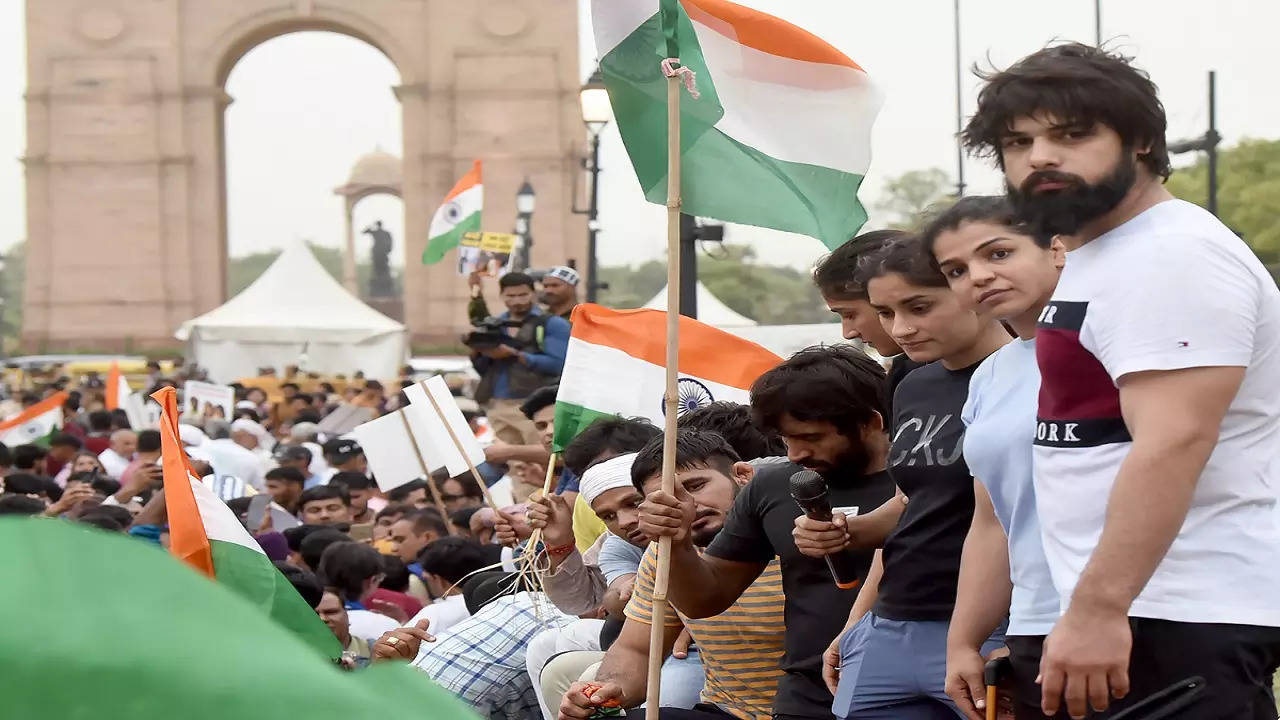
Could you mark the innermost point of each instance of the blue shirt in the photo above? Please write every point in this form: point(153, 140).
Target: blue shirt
point(618, 557)
point(569, 482)
point(1001, 418)
point(549, 362)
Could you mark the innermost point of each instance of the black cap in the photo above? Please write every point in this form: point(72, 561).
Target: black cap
point(342, 449)
point(285, 453)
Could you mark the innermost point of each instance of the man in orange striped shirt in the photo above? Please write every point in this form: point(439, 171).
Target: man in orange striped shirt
point(740, 648)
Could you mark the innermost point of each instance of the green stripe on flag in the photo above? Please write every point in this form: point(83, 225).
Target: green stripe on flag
point(439, 246)
point(571, 420)
point(721, 178)
point(252, 575)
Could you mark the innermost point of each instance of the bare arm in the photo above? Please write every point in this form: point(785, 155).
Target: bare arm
point(985, 589)
point(1174, 418)
point(626, 663)
point(982, 600)
point(502, 452)
point(703, 586)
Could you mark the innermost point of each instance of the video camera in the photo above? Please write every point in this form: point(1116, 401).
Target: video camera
point(489, 333)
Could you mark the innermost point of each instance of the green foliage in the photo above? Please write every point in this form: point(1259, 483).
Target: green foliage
point(243, 270)
point(908, 195)
point(768, 294)
point(12, 279)
point(1248, 193)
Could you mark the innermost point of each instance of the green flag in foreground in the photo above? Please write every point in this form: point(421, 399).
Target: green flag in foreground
point(106, 627)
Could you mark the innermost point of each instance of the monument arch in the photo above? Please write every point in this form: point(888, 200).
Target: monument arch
point(125, 166)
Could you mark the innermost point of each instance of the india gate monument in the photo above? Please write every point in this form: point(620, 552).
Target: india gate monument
point(126, 185)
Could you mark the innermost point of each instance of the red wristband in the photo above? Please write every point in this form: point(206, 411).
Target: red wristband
point(561, 549)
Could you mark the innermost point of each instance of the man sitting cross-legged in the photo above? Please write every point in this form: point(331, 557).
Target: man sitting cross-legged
point(741, 646)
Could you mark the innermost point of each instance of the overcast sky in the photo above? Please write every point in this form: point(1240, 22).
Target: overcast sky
point(306, 106)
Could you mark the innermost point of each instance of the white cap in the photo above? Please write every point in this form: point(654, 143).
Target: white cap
point(605, 476)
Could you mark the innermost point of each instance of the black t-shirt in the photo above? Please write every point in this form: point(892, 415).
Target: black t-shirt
point(758, 529)
point(922, 554)
point(899, 368)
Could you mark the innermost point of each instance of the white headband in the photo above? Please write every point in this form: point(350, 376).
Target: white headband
point(605, 476)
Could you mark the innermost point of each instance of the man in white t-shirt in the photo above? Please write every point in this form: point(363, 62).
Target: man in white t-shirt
point(445, 563)
point(1156, 467)
point(116, 458)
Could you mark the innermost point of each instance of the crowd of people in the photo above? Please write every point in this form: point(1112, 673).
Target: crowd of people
point(1068, 459)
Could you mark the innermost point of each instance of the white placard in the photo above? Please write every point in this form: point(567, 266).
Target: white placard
point(438, 437)
point(206, 400)
point(386, 446)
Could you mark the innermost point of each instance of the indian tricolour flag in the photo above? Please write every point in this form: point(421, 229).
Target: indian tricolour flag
point(36, 425)
point(460, 214)
point(616, 365)
point(205, 534)
point(117, 391)
point(781, 135)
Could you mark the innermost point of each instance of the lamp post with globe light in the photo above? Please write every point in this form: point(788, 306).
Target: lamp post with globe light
point(525, 203)
point(596, 115)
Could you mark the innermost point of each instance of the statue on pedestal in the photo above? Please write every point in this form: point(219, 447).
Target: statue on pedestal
point(380, 284)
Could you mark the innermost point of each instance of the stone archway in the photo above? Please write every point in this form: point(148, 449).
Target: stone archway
point(126, 196)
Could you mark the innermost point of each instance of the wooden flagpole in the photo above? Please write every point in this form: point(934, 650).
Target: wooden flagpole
point(457, 442)
point(663, 570)
point(426, 473)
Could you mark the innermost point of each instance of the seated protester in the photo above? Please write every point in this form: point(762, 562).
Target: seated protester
point(540, 408)
point(20, 505)
point(394, 587)
point(481, 660)
point(99, 437)
point(601, 440)
point(460, 521)
point(299, 458)
point(734, 423)
point(355, 649)
point(827, 403)
point(344, 456)
point(27, 457)
point(147, 454)
point(415, 530)
point(314, 541)
point(111, 518)
point(607, 488)
point(445, 563)
point(116, 458)
point(82, 462)
point(740, 648)
point(413, 493)
point(362, 491)
point(355, 570)
point(574, 584)
point(325, 505)
point(285, 486)
point(382, 523)
point(63, 448)
point(460, 492)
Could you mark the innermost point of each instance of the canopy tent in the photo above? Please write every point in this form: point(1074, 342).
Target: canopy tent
point(787, 340)
point(295, 313)
point(710, 310)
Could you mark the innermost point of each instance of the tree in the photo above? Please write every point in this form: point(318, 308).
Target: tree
point(768, 294)
point(12, 279)
point(908, 195)
point(1248, 194)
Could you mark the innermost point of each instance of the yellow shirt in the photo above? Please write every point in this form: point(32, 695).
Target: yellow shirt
point(740, 648)
point(587, 526)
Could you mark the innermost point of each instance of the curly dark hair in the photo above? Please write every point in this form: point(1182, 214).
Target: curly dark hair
point(838, 384)
point(1078, 84)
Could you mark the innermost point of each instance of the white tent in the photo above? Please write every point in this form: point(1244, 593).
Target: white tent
point(710, 310)
point(295, 313)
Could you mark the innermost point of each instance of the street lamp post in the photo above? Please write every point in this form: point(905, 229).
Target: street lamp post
point(525, 202)
point(1207, 143)
point(596, 115)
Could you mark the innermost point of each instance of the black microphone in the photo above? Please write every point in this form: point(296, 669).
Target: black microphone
point(809, 491)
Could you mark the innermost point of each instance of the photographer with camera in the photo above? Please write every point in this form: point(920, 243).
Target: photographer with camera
point(516, 353)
